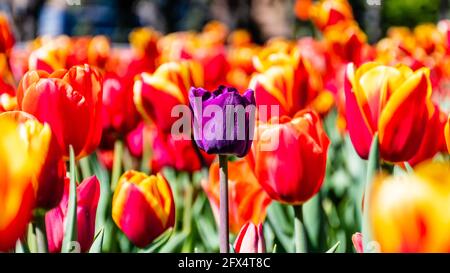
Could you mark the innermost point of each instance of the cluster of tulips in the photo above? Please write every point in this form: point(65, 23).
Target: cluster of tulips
point(80, 109)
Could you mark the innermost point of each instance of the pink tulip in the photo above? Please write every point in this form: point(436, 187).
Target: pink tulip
point(250, 239)
point(87, 200)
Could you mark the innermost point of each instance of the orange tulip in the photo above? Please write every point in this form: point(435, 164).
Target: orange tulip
point(327, 13)
point(98, 51)
point(70, 101)
point(23, 148)
point(379, 99)
point(143, 207)
point(289, 157)
point(155, 95)
point(348, 43)
point(247, 200)
point(410, 213)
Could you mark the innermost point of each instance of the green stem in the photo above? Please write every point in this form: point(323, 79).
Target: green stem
point(187, 213)
point(85, 168)
point(39, 229)
point(70, 234)
point(223, 207)
point(146, 152)
point(117, 163)
point(372, 168)
point(299, 230)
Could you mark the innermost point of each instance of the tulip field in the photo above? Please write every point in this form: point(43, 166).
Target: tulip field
point(205, 141)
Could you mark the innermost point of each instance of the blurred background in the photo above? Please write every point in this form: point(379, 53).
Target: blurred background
point(263, 18)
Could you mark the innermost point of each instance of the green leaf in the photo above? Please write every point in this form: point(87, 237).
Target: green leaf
point(174, 243)
point(274, 249)
point(232, 250)
point(158, 242)
point(277, 221)
point(96, 246)
point(409, 168)
point(70, 234)
point(373, 167)
point(334, 248)
point(21, 247)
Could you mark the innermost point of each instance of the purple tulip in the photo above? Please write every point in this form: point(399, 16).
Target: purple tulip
point(223, 120)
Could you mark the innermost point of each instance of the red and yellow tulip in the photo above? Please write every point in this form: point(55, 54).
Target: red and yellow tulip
point(50, 180)
point(156, 94)
point(143, 207)
point(23, 148)
point(379, 99)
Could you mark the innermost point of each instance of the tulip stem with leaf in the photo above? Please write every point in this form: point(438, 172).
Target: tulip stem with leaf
point(223, 207)
point(70, 234)
point(299, 230)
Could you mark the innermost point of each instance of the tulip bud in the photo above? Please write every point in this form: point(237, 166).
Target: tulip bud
point(291, 170)
point(250, 239)
point(88, 193)
point(358, 242)
point(143, 207)
point(230, 129)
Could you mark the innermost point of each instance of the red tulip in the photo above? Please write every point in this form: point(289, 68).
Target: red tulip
point(70, 101)
point(119, 113)
point(88, 193)
point(179, 154)
point(292, 170)
point(250, 239)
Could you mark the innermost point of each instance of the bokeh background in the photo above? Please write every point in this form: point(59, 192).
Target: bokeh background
point(263, 18)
